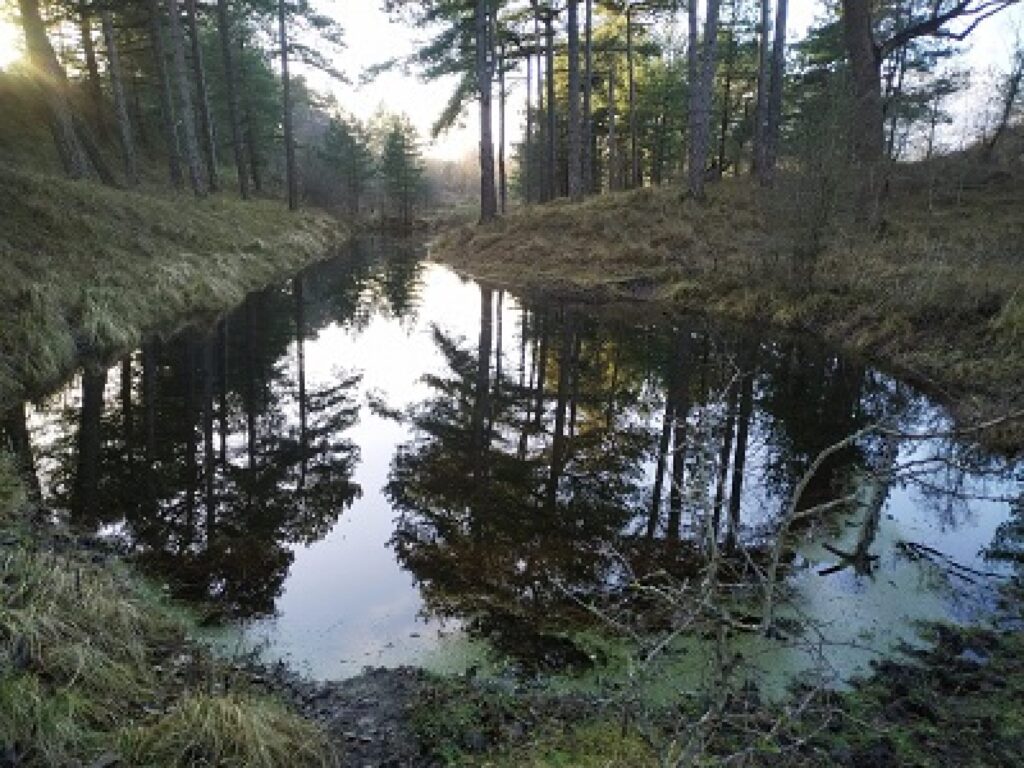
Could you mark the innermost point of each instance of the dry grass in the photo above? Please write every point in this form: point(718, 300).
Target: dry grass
point(93, 662)
point(88, 269)
point(938, 295)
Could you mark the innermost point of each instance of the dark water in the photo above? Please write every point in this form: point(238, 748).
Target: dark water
point(381, 463)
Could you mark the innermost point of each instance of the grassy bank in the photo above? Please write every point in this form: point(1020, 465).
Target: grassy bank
point(938, 295)
point(94, 664)
point(87, 269)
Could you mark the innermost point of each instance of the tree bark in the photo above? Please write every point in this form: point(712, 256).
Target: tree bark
point(634, 157)
point(51, 80)
point(528, 137)
point(575, 148)
point(124, 124)
point(91, 66)
point(286, 88)
point(202, 97)
point(488, 198)
point(224, 32)
point(868, 118)
point(167, 115)
point(773, 126)
point(502, 177)
point(250, 129)
point(552, 139)
point(764, 62)
point(700, 103)
point(613, 151)
point(588, 87)
point(195, 171)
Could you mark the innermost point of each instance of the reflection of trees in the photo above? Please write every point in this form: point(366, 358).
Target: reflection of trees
point(514, 483)
point(523, 492)
point(216, 453)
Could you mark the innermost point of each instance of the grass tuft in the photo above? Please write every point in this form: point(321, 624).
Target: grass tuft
point(230, 731)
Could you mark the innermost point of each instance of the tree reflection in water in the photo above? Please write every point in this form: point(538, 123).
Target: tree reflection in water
point(554, 456)
point(530, 499)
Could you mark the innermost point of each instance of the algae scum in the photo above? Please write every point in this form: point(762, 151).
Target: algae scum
point(380, 463)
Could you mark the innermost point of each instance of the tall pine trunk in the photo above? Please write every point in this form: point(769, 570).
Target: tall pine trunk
point(124, 124)
point(868, 117)
point(764, 69)
point(588, 102)
point(575, 148)
point(700, 103)
point(488, 199)
point(202, 97)
point(502, 177)
point(50, 77)
point(286, 92)
point(634, 156)
point(188, 124)
point(167, 115)
point(95, 106)
point(552, 131)
point(773, 126)
point(231, 85)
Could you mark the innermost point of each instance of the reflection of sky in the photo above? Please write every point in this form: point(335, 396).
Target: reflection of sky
point(347, 603)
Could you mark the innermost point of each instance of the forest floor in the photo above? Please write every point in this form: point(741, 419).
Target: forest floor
point(936, 295)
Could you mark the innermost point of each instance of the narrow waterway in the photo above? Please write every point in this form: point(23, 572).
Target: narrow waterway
point(381, 463)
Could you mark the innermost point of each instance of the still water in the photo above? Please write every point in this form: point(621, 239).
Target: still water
point(381, 463)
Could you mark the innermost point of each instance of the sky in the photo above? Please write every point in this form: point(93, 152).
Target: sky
point(372, 38)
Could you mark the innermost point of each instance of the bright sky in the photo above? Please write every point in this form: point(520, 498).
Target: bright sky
point(372, 38)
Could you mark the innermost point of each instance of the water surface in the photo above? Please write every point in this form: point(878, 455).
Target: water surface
point(380, 463)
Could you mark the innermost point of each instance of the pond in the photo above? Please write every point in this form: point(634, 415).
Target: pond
point(382, 463)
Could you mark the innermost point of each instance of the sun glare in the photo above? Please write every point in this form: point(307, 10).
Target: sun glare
point(10, 43)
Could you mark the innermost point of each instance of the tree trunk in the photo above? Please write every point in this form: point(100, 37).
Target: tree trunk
point(868, 118)
point(224, 32)
point(52, 83)
point(726, 94)
point(202, 97)
point(488, 199)
point(772, 127)
point(527, 169)
point(634, 157)
point(552, 159)
point(588, 109)
point(250, 129)
point(502, 178)
point(575, 147)
point(188, 124)
point(740, 459)
point(692, 67)
point(89, 49)
point(613, 153)
point(763, 88)
point(124, 124)
point(700, 103)
point(167, 116)
point(286, 91)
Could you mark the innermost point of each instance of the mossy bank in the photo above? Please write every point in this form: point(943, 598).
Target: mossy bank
point(87, 270)
point(937, 293)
